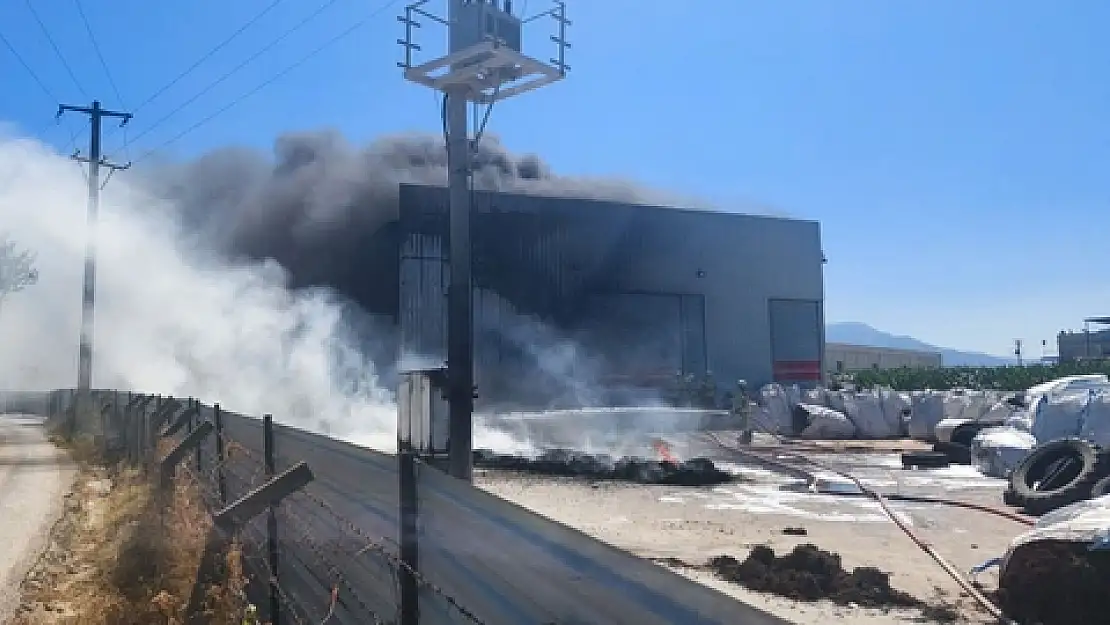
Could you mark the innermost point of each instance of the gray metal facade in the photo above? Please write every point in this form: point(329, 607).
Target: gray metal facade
point(1073, 346)
point(642, 292)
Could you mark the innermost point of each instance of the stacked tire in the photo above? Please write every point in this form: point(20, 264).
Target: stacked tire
point(1059, 473)
point(958, 447)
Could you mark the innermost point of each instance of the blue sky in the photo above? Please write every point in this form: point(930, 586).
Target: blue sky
point(956, 153)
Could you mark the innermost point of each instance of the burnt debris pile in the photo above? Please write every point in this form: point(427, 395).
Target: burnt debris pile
point(811, 574)
point(570, 463)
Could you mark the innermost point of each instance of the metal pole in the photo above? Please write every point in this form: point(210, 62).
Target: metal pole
point(221, 454)
point(196, 422)
point(271, 521)
point(128, 425)
point(410, 545)
point(460, 344)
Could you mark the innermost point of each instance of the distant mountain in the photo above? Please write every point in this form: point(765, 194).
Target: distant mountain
point(855, 333)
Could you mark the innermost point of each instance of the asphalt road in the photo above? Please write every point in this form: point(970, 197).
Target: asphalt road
point(34, 476)
point(502, 563)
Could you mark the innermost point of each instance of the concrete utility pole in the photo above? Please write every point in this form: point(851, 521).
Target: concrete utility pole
point(484, 65)
point(460, 292)
point(96, 161)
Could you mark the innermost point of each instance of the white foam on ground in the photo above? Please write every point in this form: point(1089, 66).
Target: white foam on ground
point(768, 499)
point(768, 492)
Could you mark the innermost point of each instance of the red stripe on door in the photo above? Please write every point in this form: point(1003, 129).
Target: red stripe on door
point(797, 370)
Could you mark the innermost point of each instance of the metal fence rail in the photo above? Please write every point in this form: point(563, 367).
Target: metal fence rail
point(319, 524)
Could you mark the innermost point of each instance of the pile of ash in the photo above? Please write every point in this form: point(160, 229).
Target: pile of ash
point(570, 463)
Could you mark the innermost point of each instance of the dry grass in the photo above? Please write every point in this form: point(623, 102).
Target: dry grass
point(120, 557)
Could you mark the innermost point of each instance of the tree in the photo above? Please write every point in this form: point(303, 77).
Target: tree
point(17, 268)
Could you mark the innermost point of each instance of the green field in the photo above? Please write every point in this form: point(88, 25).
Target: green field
point(981, 378)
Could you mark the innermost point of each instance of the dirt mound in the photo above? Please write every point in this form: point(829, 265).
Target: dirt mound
point(1056, 583)
point(571, 463)
point(810, 574)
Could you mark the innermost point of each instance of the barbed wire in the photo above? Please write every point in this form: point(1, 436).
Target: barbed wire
point(306, 539)
point(262, 561)
point(323, 559)
point(376, 545)
point(235, 450)
point(283, 596)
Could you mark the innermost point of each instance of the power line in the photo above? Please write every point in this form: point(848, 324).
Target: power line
point(42, 85)
point(266, 83)
point(209, 54)
point(57, 50)
point(96, 48)
point(212, 85)
point(30, 70)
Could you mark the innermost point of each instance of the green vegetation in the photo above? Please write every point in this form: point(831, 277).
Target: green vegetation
point(979, 378)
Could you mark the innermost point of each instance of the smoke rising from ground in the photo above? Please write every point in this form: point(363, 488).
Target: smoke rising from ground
point(169, 318)
point(244, 278)
point(316, 203)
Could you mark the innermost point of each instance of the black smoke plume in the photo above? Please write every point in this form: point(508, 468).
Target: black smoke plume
point(324, 210)
point(316, 204)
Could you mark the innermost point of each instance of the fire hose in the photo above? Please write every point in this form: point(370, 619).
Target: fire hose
point(882, 500)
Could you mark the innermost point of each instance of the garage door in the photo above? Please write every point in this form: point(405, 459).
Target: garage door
point(796, 341)
point(647, 338)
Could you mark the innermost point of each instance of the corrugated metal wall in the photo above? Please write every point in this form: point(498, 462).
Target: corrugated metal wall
point(423, 298)
point(543, 261)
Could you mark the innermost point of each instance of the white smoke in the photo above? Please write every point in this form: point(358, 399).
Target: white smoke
point(169, 318)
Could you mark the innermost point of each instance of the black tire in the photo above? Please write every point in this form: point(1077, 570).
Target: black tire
point(956, 452)
point(964, 434)
point(1056, 474)
point(924, 460)
point(1010, 498)
point(1101, 487)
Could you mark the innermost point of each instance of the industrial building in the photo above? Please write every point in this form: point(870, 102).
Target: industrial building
point(845, 358)
point(575, 299)
point(1086, 344)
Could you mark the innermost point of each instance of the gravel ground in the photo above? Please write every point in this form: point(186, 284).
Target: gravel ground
point(690, 525)
point(34, 477)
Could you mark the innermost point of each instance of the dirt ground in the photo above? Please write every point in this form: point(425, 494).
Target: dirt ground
point(114, 559)
point(34, 477)
point(676, 525)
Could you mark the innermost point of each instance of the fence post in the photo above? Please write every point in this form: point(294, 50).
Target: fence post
point(192, 422)
point(196, 422)
point(149, 444)
point(117, 435)
point(135, 423)
point(221, 454)
point(102, 409)
point(137, 411)
point(410, 545)
point(128, 430)
point(271, 521)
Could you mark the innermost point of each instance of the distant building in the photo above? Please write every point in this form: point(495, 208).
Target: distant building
point(843, 358)
point(1086, 343)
